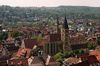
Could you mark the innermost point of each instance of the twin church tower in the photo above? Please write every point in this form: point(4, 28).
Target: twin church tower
point(58, 41)
point(64, 33)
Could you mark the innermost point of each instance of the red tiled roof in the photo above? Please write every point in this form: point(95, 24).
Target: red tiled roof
point(22, 51)
point(10, 40)
point(92, 59)
point(37, 64)
point(29, 43)
point(97, 48)
point(84, 63)
point(83, 56)
point(92, 39)
point(55, 37)
point(16, 62)
point(96, 53)
point(1, 46)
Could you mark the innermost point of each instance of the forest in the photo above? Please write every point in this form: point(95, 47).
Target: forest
point(31, 14)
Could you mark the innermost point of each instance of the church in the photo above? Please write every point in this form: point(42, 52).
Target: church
point(62, 40)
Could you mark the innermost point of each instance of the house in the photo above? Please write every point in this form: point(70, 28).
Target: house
point(18, 62)
point(23, 52)
point(48, 60)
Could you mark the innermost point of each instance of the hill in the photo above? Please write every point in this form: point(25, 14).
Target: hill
point(31, 14)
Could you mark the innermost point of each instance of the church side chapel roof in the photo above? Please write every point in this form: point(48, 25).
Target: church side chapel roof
point(29, 43)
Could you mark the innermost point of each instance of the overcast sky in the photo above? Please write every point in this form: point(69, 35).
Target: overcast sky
point(50, 3)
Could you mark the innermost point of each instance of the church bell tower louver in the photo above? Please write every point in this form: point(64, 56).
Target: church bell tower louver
point(65, 35)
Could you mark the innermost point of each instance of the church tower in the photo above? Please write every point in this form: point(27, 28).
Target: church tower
point(65, 35)
point(58, 28)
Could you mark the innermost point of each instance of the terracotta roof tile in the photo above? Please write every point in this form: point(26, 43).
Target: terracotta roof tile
point(92, 59)
point(29, 43)
point(84, 63)
point(22, 51)
point(96, 53)
point(16, 62)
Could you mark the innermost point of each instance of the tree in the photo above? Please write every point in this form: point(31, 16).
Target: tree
point(68, 54)
point(38, 38)
point(58, 56)
point(81, 51)
point(78, 52)
point(3, 36)
point(98, 40)
point(91, 46)
point(18, 14)
point(16, 34)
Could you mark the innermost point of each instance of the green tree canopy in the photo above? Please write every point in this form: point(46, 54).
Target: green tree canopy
point(3, 36)
point(98, 40)
point(91, 46)
point(58, 56)
point(15, 34)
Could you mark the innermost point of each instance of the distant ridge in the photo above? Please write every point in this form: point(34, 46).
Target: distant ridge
point(31, 14)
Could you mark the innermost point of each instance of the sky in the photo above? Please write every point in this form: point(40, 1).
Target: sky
point(50, 3)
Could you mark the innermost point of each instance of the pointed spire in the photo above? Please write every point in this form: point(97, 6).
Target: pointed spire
point(57, 21)
point(65, 23)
